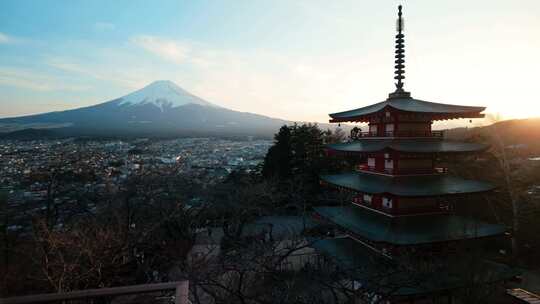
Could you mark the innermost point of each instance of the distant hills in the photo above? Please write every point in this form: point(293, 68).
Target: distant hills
point(162, 108)
point(511, 132)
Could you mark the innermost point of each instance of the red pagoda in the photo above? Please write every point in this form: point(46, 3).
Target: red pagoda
point(402, 200)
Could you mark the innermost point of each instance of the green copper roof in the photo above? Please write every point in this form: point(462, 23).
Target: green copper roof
point(408, 230)
point(386, 276)
point(408, 145)
point(351, 254)
point(415, 185)
point(410, 105)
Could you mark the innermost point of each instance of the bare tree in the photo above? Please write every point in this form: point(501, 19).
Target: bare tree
point(500, 153)
point(87, 255)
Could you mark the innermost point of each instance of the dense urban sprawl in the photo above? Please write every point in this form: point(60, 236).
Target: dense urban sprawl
point(87, 168)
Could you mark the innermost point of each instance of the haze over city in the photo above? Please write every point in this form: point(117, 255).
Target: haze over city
point(294, 60)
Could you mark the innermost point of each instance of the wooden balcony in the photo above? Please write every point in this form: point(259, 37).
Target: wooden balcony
point(436, 134)
point(401, 171)
point(406, 211)
point(181, 290)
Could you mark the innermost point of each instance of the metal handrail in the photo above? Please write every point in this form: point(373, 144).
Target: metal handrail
point(181, 289)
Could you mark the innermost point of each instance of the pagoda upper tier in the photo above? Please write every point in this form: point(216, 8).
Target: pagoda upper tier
point(412, 186)
point(409, 108)
point(417, 145)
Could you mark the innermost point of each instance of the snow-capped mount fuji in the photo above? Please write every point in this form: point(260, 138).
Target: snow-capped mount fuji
point(163, 94)
point(161, 108)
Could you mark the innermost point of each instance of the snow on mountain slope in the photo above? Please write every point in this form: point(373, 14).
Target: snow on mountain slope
point(159, 109)
point(163, 93)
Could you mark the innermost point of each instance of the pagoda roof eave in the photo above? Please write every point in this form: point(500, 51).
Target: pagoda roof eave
point(406, 231)
point(406, 186)
point(416, 145)
point(438, 111)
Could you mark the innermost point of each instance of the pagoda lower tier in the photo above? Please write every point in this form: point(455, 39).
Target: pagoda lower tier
point(400, 284)
point(373, 227)
point(406, 145)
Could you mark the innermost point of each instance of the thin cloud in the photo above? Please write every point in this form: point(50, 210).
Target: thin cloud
point(8, 39)
point(26, 79)
point(4, 38)
point(167, 49)
point(125, 78)
point(246, 79)
point(104, 26)
point(25, 83)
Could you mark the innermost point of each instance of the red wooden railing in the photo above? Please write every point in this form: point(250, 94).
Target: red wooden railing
point(180, 297)
point(406, 211)
point(438, 134)
point(394, 171)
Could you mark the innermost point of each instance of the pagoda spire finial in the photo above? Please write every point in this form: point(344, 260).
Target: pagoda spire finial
point(400, 59)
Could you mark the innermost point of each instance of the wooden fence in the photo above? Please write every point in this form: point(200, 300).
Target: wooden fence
point(180, 297)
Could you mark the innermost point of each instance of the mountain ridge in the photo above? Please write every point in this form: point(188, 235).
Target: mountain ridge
point(162, 107)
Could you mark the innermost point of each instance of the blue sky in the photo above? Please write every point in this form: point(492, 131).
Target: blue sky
point(297, 60)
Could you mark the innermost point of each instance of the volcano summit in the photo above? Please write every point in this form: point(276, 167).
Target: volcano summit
point(161, 108)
